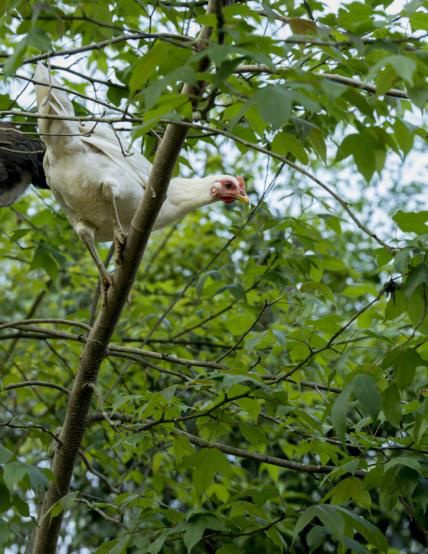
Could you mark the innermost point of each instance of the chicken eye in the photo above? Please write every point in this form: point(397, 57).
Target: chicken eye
point(228, 186)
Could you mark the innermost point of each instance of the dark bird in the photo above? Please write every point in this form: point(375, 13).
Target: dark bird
point(21, 163)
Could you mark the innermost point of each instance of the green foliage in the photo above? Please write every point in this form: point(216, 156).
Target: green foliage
point(286, 331)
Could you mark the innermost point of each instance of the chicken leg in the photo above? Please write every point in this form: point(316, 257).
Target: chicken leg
point(86, 234)
point(109, 190)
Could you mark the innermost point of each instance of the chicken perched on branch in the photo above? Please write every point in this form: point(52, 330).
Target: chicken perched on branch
point(21, 163)
point(100, 181)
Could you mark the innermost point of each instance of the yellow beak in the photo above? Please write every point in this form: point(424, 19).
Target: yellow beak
point(243, 198)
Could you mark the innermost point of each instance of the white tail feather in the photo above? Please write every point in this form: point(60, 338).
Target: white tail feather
point(51, 101)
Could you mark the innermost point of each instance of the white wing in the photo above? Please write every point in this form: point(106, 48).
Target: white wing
point(128, 160)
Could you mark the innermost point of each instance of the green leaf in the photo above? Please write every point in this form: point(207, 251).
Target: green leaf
point(366, 529)
point(307, 516)
point(5, 455)
point(5, 532)
point(44, 259)
point(339, 412)
point(404, 136)
point(403, 461)
point(156, 546)
point(365, 390)
point(275, 105)
point(63, 504)
point(385, 80)
point(316, 138)
point(252, 434)
point(362, 147)
point(14, 61)
point(349, 489)
point(285, 144)
point(417, 308)
point(206, 463)
point(13, 473)
point(391, 404)
point(412, 222)
point(419, 20)
point(196, 526)
point(5, 498)
point(404, 66)
point(405, 367)
point(417, 277)
point(39, 39)
point(38, 479)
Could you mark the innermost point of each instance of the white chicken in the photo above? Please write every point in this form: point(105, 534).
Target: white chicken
point(100, 181)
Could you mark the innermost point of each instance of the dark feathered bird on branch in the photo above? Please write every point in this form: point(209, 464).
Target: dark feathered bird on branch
point(21, 163)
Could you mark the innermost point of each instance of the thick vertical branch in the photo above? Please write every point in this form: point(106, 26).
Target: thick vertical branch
point(97, 343)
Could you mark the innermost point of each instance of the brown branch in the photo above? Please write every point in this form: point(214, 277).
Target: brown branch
point(178, 40)
point(262, 458)
point(30, 427)
point(95, 472)
point(45, 384)
point(34, 307)
point(283, 71)
point(85, 18)
point(112, 349)
point(25, 322)
point(246, 332)
point(239, 452)
point(98, 339)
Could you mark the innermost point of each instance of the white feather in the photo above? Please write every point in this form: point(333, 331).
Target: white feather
point(86, 164)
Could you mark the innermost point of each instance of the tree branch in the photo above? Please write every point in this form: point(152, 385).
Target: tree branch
point(178, 40)
point(239, 452)
point(283, 71)
point(112, 349)
point(98, 339)
point(45, 384)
